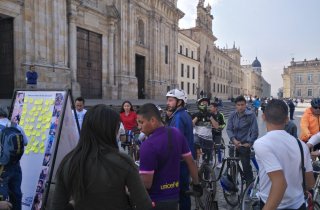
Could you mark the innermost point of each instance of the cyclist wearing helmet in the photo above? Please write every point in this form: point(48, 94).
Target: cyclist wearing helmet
point(203, 128)
point(176, 100)
point(310, 120)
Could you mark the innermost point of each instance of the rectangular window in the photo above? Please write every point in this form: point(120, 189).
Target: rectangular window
point(309, 78)
point(214, 87)
point(218, 88)
point(182, 70)
point(182, 85)
point(224, 89)
point(187, 52)
point(193, 88)
point(188, 88)
point(166, 54)
point(299, 92)
point(193, 72)
point(192, 54)
point(180, 49)
point(310, 92)
point(188, 71)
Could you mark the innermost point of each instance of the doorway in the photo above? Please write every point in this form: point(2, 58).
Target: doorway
point(140, 74)
point(89, 63)
point(6, 58)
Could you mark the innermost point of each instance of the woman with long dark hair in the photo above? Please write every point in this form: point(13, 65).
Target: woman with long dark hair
point(95, 174)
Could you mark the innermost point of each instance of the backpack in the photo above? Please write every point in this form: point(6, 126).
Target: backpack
point(11, 144)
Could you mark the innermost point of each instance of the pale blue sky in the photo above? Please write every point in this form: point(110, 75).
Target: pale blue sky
point(273, 30)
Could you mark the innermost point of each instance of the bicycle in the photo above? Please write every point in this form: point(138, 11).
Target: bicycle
point(233, 181)
point(206, 174)
point(250, 198)
point(316, 188)
point(133, 143)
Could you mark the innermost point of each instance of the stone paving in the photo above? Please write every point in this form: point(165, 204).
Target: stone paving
point(262, 130)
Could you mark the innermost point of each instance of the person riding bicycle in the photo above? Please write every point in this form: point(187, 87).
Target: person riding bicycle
point(176, 101)
point(203, 128)
point(242, 130)
point(218, 124)
point(309, 124)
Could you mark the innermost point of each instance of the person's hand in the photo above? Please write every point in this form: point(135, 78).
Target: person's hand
point(236, 143)
point(5, 205)
point(245, 145)
point(197, 190)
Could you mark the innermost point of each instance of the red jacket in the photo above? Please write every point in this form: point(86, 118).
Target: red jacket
point(130, 121)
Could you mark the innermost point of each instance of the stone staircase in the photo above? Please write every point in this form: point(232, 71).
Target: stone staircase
point(226, 109)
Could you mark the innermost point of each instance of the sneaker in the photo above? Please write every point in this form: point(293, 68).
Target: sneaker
point(219, 165)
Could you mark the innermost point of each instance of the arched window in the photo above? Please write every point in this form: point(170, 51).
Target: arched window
point(140, 32)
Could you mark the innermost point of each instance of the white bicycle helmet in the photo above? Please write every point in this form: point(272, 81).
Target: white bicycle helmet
point(179, 94)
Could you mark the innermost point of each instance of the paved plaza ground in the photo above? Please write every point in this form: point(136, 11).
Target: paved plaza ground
point(262, 131)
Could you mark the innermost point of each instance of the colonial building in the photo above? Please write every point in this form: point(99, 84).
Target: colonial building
point(301, 79)
point(252, 84)
point(99, 48)
point(220, 71)
point(266, 89)
point(188, 66)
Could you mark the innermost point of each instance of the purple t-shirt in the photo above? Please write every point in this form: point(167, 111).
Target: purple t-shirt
point(163, 161)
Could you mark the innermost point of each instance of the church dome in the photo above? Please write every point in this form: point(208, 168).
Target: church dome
point(256, 63)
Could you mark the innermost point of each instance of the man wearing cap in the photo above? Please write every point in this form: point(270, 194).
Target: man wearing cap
point(13, 171)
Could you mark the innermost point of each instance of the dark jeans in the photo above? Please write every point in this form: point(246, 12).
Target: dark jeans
point(11, 185)
point(291, 114)
point(244, 154)
point(302, 207)
point(166, 205)
point(184, 200)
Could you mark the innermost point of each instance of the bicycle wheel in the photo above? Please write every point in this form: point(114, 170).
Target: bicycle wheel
point(250, 200)
point(233, 197)
point(207, 181)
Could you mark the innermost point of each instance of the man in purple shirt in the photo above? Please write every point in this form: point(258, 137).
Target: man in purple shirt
point(160, 156)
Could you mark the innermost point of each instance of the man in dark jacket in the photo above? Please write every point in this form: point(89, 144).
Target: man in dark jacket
point(291, 108)
point(32, 77)
point(242, 129)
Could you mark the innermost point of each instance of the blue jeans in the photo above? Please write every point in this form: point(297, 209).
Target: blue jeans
point(10, 185)
point(185, 201)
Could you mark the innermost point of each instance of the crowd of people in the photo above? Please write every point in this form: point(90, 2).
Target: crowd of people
point(97, 174)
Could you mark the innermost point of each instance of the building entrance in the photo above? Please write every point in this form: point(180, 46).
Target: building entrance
point(140, 74)
point(6, 57)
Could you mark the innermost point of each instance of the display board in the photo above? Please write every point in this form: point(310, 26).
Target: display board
point(47, 119)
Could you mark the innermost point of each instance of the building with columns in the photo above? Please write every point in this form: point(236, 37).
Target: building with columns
point(301, 79)
point(220, 69)
point(188, 66)
point(252, 84)
point(99, 48)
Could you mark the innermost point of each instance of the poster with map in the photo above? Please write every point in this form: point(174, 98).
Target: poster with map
point(42, 115)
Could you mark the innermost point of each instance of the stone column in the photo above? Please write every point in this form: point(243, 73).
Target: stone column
point(110, 78)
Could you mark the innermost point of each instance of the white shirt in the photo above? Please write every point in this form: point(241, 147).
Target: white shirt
point(80, 116)
point(278, 150)
point(6, 122)
point(315, 139)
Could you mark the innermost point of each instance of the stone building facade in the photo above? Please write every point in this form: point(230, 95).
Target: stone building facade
point(252, 84)
point(188, 66)
point(301, 79)
point(99, 48)
point(220, 70)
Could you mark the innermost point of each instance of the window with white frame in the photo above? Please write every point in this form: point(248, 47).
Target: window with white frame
point(298, 78)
